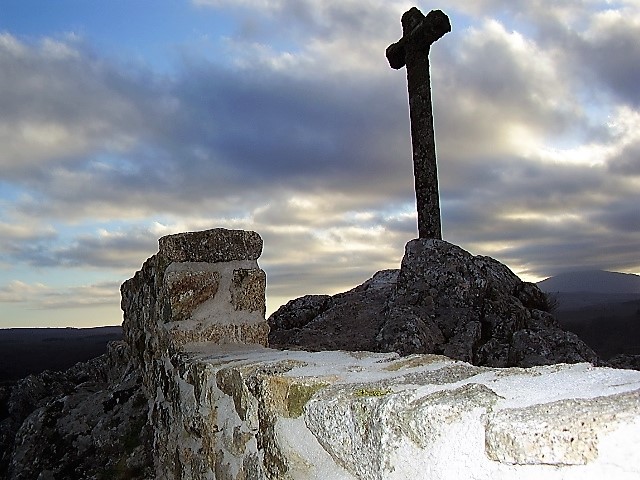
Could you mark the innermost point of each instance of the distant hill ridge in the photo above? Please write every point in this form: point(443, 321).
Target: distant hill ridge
point(596, 281)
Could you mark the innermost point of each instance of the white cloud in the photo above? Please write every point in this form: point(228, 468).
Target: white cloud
point(304, 138)
point(47, 297)
point(59, 50)
point(60, 105)
point(17, 291)
point(25, 231)
point(11, 46)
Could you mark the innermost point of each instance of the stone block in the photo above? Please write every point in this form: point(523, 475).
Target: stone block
point(255, 332)
point(211, 246)
point(185, 291)
point(345, 415)
point(558, 433)
point(199, 287)
point(247, 290)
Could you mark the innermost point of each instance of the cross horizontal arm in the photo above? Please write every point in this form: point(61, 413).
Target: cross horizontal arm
point(417, 28)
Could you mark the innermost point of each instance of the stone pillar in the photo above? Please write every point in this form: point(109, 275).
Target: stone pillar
point(200, 287)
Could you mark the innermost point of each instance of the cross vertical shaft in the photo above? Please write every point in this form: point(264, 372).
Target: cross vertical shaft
point(412, 50)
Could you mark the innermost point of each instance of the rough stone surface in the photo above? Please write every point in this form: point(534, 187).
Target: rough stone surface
point(247, 290)
point(19, 401)
point(350, 320)
point(297, 313)
point(625, 361)
point(187, 290)
point(194, 392)
point(211, 246)
point(87, 422)
point(199, 287)
point(250, 412)
point(443, 300)
point(546, 435)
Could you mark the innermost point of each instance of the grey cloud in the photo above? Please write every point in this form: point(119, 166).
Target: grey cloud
point(16, 291)
point(22, 240)
point(627, 162)
point(57, 109)
point(237, 145)
point(113, 251)
point(47, 297)
point(310, 18)
point(256, 133)
point(489, 92)
point(209, 132)
point(103, 294)
point(573, 252)
point(117, 251)
point(599, 43)
point(25, 232)
point(307, 269)
point(498, 186)
point(621, 216)
point(612, 52)
point(99, 294)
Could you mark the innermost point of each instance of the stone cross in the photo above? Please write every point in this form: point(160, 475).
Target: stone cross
point(412, 50)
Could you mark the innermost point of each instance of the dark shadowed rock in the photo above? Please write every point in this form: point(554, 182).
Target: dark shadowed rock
point(90, 421)
point(442, 300)
point(297, 313)
point(348, 320)
point(623, 360)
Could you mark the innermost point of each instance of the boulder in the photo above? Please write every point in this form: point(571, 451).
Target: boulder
point(443, 300)
point(624, 360)
point(348, 321)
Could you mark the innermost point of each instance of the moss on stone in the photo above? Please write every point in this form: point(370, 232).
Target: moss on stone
point(371, 392)
point(299, 394)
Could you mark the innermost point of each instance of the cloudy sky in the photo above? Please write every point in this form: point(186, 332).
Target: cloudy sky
point(123, 121)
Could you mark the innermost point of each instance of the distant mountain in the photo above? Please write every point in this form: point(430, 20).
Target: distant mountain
point(602, 308)
point(593, 281)
point(24, 351)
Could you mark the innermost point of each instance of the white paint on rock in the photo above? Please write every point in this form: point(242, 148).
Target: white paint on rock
point(379, 416)
point(219, 308)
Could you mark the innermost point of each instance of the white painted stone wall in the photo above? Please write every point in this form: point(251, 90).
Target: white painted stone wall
point(232, 409)
point(248, 412)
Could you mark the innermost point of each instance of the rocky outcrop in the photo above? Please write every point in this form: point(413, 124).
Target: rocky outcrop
point(201, 287)
point(347, 321)
point(443, 300)
point(624, 361)
point(195, 391)
point(87, 422)
point(235, 411)
point(94, 420)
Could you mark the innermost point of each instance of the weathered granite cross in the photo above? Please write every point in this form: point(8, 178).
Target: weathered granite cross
point(412, 50)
